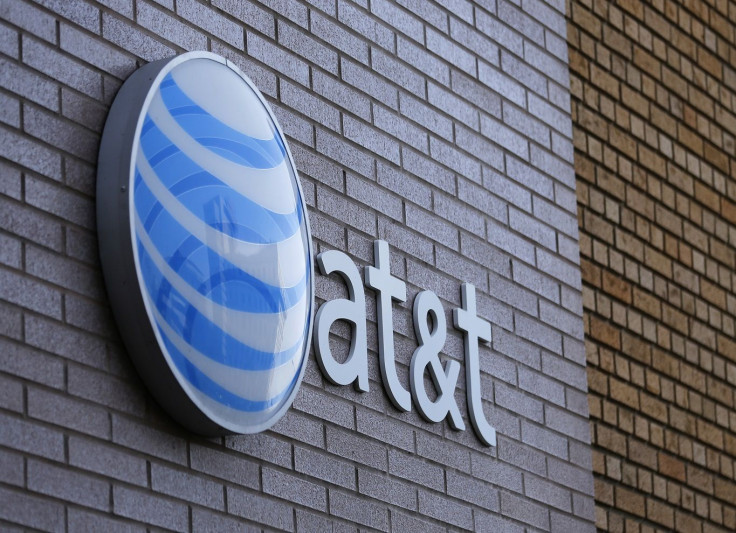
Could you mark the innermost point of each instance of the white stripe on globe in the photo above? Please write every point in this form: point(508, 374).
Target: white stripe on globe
point(247, 256)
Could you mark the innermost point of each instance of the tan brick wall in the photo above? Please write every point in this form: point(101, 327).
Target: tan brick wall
point(654, 106)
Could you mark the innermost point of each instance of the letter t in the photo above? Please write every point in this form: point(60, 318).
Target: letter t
point(475, 328)
point(388, 288)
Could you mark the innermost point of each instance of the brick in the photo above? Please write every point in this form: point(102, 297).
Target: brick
point(563, 270)
point(287, 486)
point(572, 475)
point(306, 521)
point(453, 106)
point(451, 52)
point(345, 154)
point(9, 42)
point(186, 486)
point(226, 466)
point(345, 41)
point(95, 53)
point(370, 139)
point(149, 508)
point(31, 19)
point(425, 116)
point(470, 142)
point(26, 83)
point(455, 264)
point(75, 11)
point(11, 394)
point(358, 510)
point(527, 125)
point(547, 493)
point(473, 491)
point(445, 510)
point(560, 170)
point(406, 78)
point(562, 320)
point(105, 389)
point(560, 522)
point(30, 364)
point(427, 12)
point(400, 128)
point(551, 67)
point(31, 438)
point(387, 489)
point(544, 439)
point(536, 281)
point(341, 95)
point(29, 293)
point(262, 446)
point(298, 99)
point(494, 522)
point(148, 440)
point(415, 469)
point(365, 25)
point(437, 230)
point(68, 413)
point(30, 154)
point(549, 114)
point(31, 511)
point(257, 18)
point(435, 449)
point(500, 33)
point(520, 509)
point(60, 482)
point(298, 426)
point(539, 334)
point(12, 468)
point(170, 28)
point(211, 21)
point(384, 429)
point(521, 72)
point(519, 403)
point(369, 83)
point(428, 170)
point(323, 467)
point(107, 460)
point(274, 57)
point(338, 207)
point(410, 523)
point(400, 19)
point(357, 448)
point(73, 74)
point(423, 61)
point(483, 48)
point(80, 520)
point(303, 45)
point(58, 133)
point(10, 186)
point(481, 199)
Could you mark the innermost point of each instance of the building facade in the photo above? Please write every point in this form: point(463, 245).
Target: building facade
point(575, 163)
point(654, 94)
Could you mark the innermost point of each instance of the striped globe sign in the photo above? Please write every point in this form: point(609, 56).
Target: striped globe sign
point(221, 243)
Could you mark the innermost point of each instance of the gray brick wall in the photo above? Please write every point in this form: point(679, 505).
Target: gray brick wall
point(440, 126)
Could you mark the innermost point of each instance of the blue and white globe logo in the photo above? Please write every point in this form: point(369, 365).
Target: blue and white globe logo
point(218, 239)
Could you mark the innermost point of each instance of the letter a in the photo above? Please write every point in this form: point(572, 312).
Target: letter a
point(355, 367)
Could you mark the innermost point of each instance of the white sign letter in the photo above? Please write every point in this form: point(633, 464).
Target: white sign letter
point(475, 328)
point(355, 368)
point(388, 288)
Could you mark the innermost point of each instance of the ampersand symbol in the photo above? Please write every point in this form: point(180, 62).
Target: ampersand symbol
point(427, 306)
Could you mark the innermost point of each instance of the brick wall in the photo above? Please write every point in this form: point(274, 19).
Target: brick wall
point(654, 103)
point(441, 127)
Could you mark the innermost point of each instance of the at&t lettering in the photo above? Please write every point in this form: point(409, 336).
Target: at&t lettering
point(431, 332)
